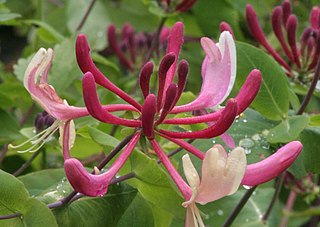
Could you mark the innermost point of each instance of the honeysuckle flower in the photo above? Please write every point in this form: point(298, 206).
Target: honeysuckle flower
point(218, 67)
point(182, 6)
point(35, 81)
point(132, 46)
point(301, 58)
point(222, 174)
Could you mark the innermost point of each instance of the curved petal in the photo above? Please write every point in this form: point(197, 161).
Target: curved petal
point(91, 184)
point(35, 81)
point(221, 174)
point(223, 123)
point(272, 166)
point(218, 73)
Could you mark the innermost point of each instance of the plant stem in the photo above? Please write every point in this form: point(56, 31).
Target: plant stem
point(3, 152)
point(155, 41)
point(239, 207)
point(26, 164)
point(274, 197)
point(290, 202)
point(313, 84)
point(114, 152)
point(85, 17)
point(315, 219)
point(3, 217)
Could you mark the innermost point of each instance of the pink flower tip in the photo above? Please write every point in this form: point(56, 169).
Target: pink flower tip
point(272, 166)
point(224, 26)
point(84, 182)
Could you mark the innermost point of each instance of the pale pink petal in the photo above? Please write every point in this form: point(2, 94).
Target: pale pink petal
point(35, 81)
point(272, 166)
point(218, 73)
point(221, 174)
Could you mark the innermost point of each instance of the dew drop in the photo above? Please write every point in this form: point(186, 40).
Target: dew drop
point(265, 132)
point(246, 144)
point(256, 137)
point(220, 212)
point(247, 187)
point(213, 141)
point(244, 120)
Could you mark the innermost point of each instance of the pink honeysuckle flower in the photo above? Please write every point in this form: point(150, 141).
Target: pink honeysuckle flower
point(35, 81)
point(272, 166)
point(218, 73)
point(180, 6)
point(221, 175)
point(300, 59)
point(155, 109)
point(132, 47)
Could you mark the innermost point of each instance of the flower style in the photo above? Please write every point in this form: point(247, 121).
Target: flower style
point(303, 59)
point(218, 73)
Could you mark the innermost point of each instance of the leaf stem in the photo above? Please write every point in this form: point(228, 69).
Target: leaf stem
point(274, 197)
point(155, 41)
point(85, 17)
point(289, 205)
point(3, 217)
point(313, 85)
point(27, 163)
point(239, 207)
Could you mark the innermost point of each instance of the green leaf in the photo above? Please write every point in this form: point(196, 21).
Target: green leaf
point(9, 129)
point(209, 15)
point(217, 212)
point(95, 25)
point(40, 181)
point(140, 16)
point(288, 130)
point(315, 120)
point(311, 149)
point(14, 198)
point(103, 138)
point(95, 211)
point(55, 35)
point(294, 100)
point(154, 184)
point(64, 66)
point(139, 213)
point(273, 98)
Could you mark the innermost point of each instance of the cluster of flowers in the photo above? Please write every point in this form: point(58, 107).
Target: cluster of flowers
point(301, 58)
point(222, 173)
point(132, 45)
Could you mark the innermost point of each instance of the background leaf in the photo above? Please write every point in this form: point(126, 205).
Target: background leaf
point(273, 98)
